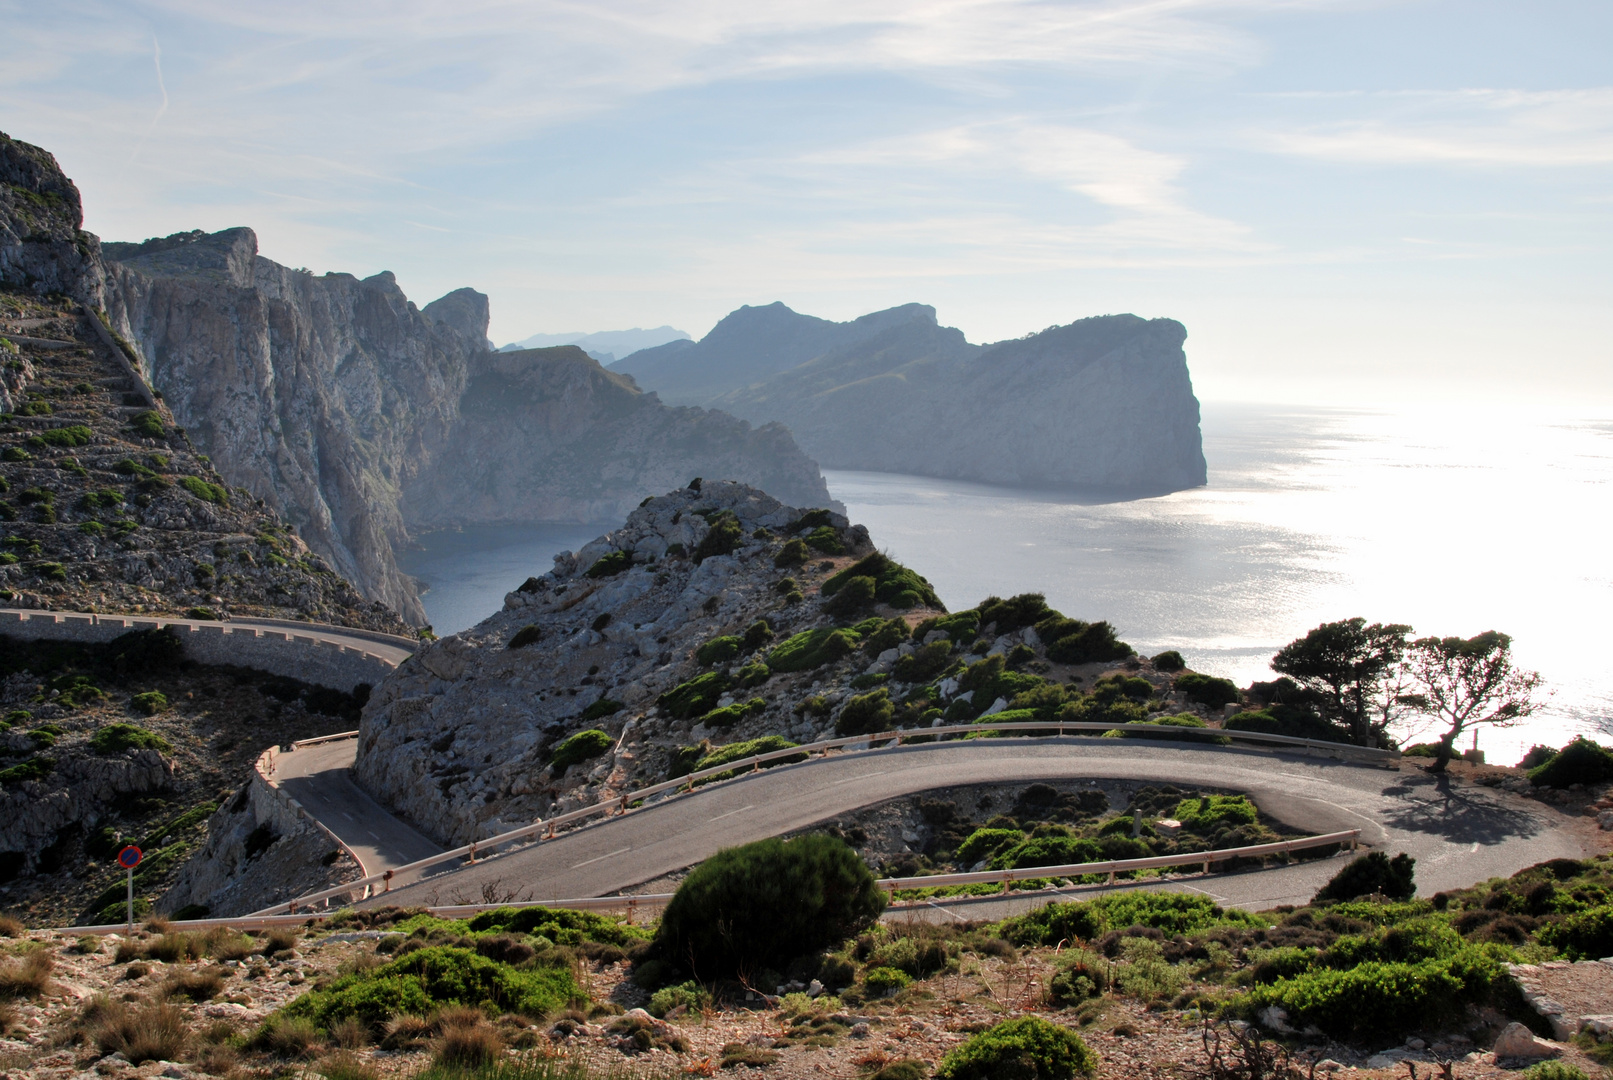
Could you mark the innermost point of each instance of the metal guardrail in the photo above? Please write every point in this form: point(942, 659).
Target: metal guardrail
point(547, 828)
point(633, 904)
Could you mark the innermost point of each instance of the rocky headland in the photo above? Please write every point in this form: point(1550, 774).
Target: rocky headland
point(1103, 404)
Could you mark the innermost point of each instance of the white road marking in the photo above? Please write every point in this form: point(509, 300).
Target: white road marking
point(599, 858)
point(731, 813)
point(864, 776)
point(346, 815)
point(373, 836)
point(1474, 848)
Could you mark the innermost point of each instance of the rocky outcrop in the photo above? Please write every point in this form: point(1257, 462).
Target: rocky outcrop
point(1103, 404)
point(43, 247)
point(361, 417)
point(458, 741)
point(78, 791)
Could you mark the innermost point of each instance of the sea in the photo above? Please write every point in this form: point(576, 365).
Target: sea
point(1454, 520)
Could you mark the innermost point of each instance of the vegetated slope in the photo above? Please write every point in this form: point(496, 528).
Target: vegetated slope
point(105, 506)
point(128, 743)
point(1101, 404)
point(547, 434)
point(715, 617)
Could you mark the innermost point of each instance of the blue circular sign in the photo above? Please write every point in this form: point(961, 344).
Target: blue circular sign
point(129, 857)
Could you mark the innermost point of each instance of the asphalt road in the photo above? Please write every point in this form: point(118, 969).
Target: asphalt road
point(1458, 834)
point(317, 776)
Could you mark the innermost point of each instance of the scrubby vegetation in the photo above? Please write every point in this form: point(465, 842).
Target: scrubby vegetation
point(579, 747)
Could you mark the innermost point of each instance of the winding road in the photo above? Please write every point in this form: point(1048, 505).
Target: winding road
point(1458, 834)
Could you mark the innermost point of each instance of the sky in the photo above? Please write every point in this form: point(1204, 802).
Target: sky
point(1345, 201)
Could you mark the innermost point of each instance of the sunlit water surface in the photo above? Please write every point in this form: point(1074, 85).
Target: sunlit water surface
point(1453, 522)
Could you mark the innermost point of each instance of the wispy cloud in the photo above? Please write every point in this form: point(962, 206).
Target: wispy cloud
point(1510, 128)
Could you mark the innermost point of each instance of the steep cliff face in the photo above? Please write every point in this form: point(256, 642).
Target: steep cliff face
point(549, 435)
point(43, 247)
point(1101, 404)
point(320, 395)
point(361, 417)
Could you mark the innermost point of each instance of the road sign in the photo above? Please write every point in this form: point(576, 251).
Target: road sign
point(129, 857)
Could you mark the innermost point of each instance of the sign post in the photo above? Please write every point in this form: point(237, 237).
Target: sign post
point(129, 858)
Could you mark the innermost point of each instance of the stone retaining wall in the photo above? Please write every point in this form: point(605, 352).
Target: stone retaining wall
point(280, 652)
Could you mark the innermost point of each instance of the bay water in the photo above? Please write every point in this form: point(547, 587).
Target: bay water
point(1453, 520)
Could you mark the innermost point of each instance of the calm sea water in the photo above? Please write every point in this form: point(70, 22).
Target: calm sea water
point(1455, 522)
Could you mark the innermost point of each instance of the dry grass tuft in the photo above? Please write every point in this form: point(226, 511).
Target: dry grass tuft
point(406, 1032)
point(286, 1036)
point(346, 1066)
point(27, 977)
point(138, 1032)
point(350, 1034)
point(467, 1040)
point(11, 927)
point(199, 985)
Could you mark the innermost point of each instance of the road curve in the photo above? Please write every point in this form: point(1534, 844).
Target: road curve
point(317, 777)
point(390, 647)
point(1457, 833)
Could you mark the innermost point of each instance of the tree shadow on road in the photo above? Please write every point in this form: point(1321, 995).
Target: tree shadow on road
point(1461, 815)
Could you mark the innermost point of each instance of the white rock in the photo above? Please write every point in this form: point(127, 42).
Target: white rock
point(888, 656)
point(996, 707)
point(934, 636)
point(1517, 1041)
point(1275, 1018)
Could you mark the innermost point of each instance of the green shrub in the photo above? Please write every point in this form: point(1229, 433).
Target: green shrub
point(430, 978)
point(722, 755)
point(696, 697)
point(729, 715)
point(1207, 690)
point(811, 649)
point(36, 768)
point(1072, 641)
point(579, 747)
point(1295, 724)
point(72, 435)
point(149, 703)
point(1580, 762)
point(147, 652)
point(1169, 660)
point(116, 738)
point(689, 995)
point(866, 714)
point(884, 981)
point(902, 1069)
point(1209, 812)
point(757, 634)
point(984, 843)
point(923, 663)
point(1172, 913)
point(600, 709)
point(1554, 1070)
point(1375, 998)
point(722, 538)
point(763, 904)
point(148, 424)
point(527, 635)
point(794, 553)
point(826, 538)
point(754, 674)
point(888, 635)
point(853, 598)
point(1178, 722)
point(718, 650)
point(560, 925)
point(1587, 935)
point(1370, 874)
point(610, 564)
point(1537, 756)
point(894, 584)
point(1080, 975)
point(1024, 1048)
point(1053, 850)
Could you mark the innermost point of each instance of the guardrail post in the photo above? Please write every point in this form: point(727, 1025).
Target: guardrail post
point(1111, 877)
point(1008, 882)
point(550, 834)
point(1206, 866)
point(472, 855)
point(387, 877)
point(632, 906)
point(621, 806)
point(1353, 840)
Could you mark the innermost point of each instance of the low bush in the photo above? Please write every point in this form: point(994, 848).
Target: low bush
point(811, 649)
point(610, 565)
point(888, 635)
point(1169, 660)
point(719, 650)
point(1377, 998)
point(1537, 756)
point(431, 978)
point(729, 715)
point(1554, 1070)
point(894, 584)
point(722, 538)
point(1371, 874)
point(36, 768)
point(71, 435)
point(1080, 975)
point(579, 747)
point(1580, 762)
point(884, 981)
point(854, 597)
point(140, 1033)
point(902, 1069)
point(794, 553)
point(984, 843)
point(1171, 913)
point(923, 663)
point(1207, 690)
point(1209, 812)
point(148, 424)
point(149, 703)
point(722, 755)
point(560, 925)
point(600, 709)
point(696, 697)
point(116, 738)
point(1050, 850)
point(688, 995)
point(1587, 935)
point(1071, 641)
point(866, 714)
point(754, 674)
point(1025, 1048)
point(757, 634)
point(763, 904)
point(204, 491)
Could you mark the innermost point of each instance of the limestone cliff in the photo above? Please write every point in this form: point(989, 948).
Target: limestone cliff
point(361, 417)
point(1103, 404)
